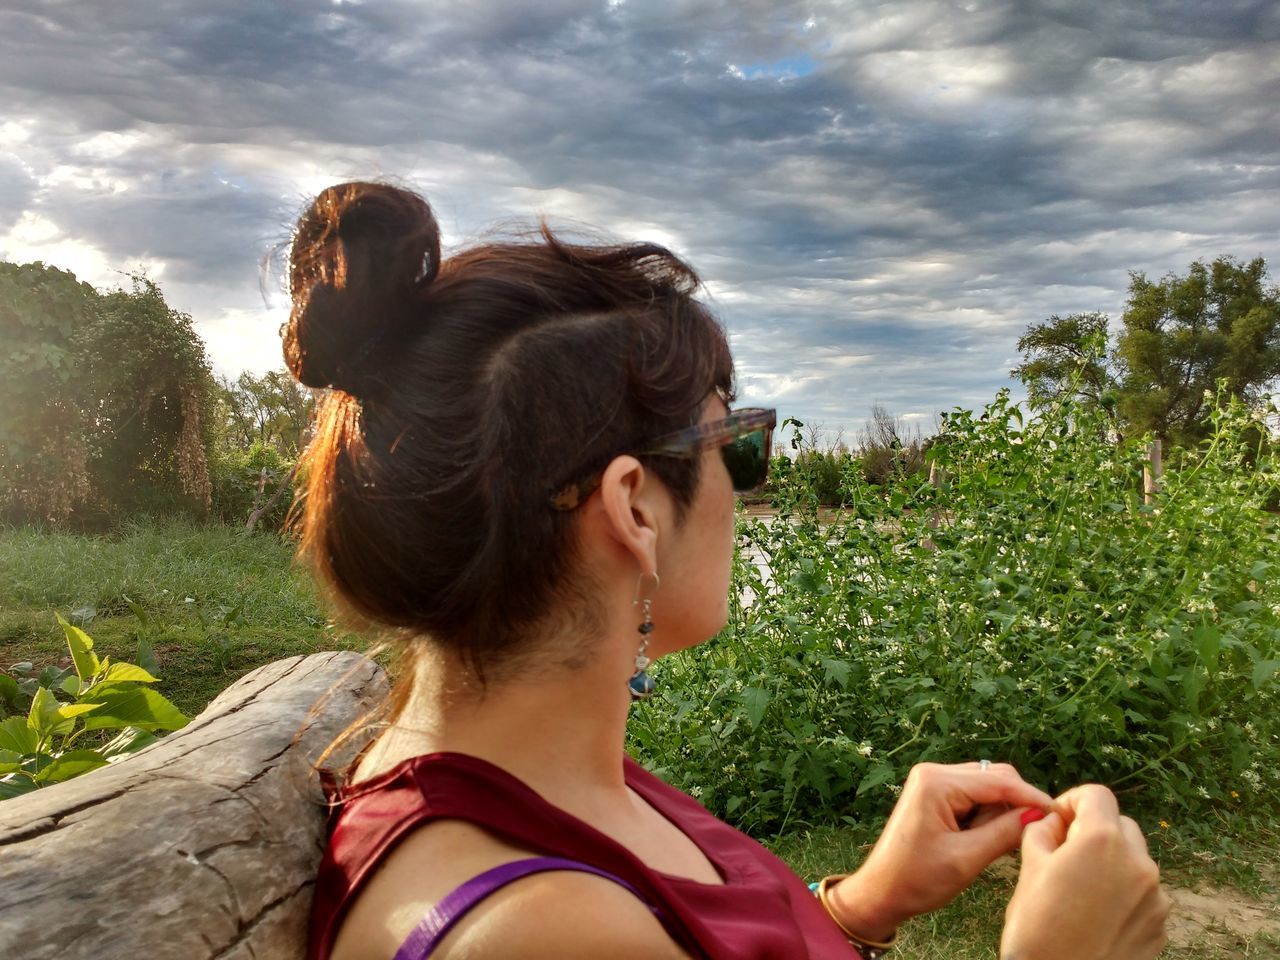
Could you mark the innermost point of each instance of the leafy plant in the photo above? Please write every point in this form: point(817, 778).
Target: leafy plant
point(71, 711)
point(1031, 607)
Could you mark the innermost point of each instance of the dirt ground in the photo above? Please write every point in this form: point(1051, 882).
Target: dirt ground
point(1219, 916)
point(1203, 916)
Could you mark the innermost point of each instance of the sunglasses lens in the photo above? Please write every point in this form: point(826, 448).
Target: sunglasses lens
point(747, 458)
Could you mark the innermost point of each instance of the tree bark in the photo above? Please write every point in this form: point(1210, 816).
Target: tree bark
point(203, 846)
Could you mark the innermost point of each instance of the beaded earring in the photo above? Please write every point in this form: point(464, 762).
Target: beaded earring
point(641, 684)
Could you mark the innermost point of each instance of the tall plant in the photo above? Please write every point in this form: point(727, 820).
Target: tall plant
point(1031, 608)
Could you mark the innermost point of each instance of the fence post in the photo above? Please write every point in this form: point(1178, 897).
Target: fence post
point(1152, 473)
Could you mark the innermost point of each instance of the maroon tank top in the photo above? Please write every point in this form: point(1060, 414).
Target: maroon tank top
point(763, 911)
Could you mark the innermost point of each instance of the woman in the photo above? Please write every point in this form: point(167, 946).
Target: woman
point(527, 465)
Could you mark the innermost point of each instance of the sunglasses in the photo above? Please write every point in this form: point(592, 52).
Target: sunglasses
point(745, 439)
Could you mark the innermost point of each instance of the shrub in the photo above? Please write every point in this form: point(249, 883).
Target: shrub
point(1031, 608)
point(48, 745)
point(239, 486)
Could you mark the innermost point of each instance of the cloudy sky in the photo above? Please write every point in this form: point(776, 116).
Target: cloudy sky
point(880, 196)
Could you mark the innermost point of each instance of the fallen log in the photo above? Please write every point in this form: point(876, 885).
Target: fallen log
point(203, 846)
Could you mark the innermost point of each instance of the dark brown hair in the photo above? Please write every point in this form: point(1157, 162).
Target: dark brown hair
point(465, 393)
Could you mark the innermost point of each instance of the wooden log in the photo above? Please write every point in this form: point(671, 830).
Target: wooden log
point(202, 846)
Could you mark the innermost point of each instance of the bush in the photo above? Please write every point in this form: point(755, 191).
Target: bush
point(45, 742)
point(239, 487)
point(1029, 609)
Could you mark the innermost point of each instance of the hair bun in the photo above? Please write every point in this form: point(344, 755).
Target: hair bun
point(361, 255)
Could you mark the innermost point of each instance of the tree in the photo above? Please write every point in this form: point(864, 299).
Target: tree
point(1067, 356)
point(887, 447)
point(108, 406)
point(274, 410)
point(44, 457)
point(1182, 335)
point(152, 393)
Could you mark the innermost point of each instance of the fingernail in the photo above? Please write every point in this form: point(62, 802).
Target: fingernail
point(1031, 816)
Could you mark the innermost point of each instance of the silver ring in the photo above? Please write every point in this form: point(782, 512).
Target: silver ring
point(984, 765)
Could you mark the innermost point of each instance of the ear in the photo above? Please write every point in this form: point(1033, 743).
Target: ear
point(630, 502)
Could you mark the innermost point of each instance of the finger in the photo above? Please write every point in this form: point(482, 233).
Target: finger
point(1042, 838)
point(1090, 802)
point(984, 814)
point(982, 844)
point(1134, 836)
point(998, 784)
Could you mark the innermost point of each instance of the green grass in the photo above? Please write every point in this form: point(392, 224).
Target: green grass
point(216, 603)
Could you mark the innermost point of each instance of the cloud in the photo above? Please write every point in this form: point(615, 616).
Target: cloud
point(880, 195)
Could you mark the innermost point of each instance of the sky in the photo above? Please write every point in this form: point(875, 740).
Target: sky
point(880, 197)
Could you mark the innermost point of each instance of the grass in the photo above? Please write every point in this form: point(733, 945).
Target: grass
point(216, 603)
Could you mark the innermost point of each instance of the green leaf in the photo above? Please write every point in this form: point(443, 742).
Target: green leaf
point(43, 715)
point(126, 672)
point(16, 735)
point(137, 610)
point(1263, 671)
point(71, 685)
point(10, 692)
point(69, 711)
point(70, 764)
point(1114, 715)
point(1208, 641)
point(755, 700)
point(1192, 685)
point(81, 646)
point(83, 616)
point(129, 740)
point(15, 785)
point(837, 672)
point(943, 719)
point(10, 761)
point(878, 775)
point(147, 657)
point(984, 688)
point(130, 706)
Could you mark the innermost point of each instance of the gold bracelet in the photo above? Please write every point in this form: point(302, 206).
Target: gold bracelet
point(870, 949)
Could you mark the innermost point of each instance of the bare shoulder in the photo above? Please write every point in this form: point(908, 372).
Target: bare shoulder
point(538, 916)
point(561, 914)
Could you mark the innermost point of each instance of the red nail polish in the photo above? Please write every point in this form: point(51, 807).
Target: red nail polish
point(1031, 816)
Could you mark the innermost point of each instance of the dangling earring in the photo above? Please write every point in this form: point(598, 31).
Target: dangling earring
point(641, 684)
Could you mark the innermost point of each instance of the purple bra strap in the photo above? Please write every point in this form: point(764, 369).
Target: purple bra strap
point(426, 936)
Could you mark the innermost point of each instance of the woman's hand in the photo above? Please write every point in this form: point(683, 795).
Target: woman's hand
point(950, 822)
point(1088, 889)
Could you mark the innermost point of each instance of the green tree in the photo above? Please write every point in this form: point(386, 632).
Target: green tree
point(1184, 334)
point(44, 457)
point(110, 397)
point(1068, 357)
point(1180, 336)
point(272, 410)
point(152, 396)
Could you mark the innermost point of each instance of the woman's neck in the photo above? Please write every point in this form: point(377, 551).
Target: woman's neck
point(559, 730)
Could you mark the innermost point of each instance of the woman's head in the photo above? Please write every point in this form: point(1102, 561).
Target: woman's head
point(466, 393)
